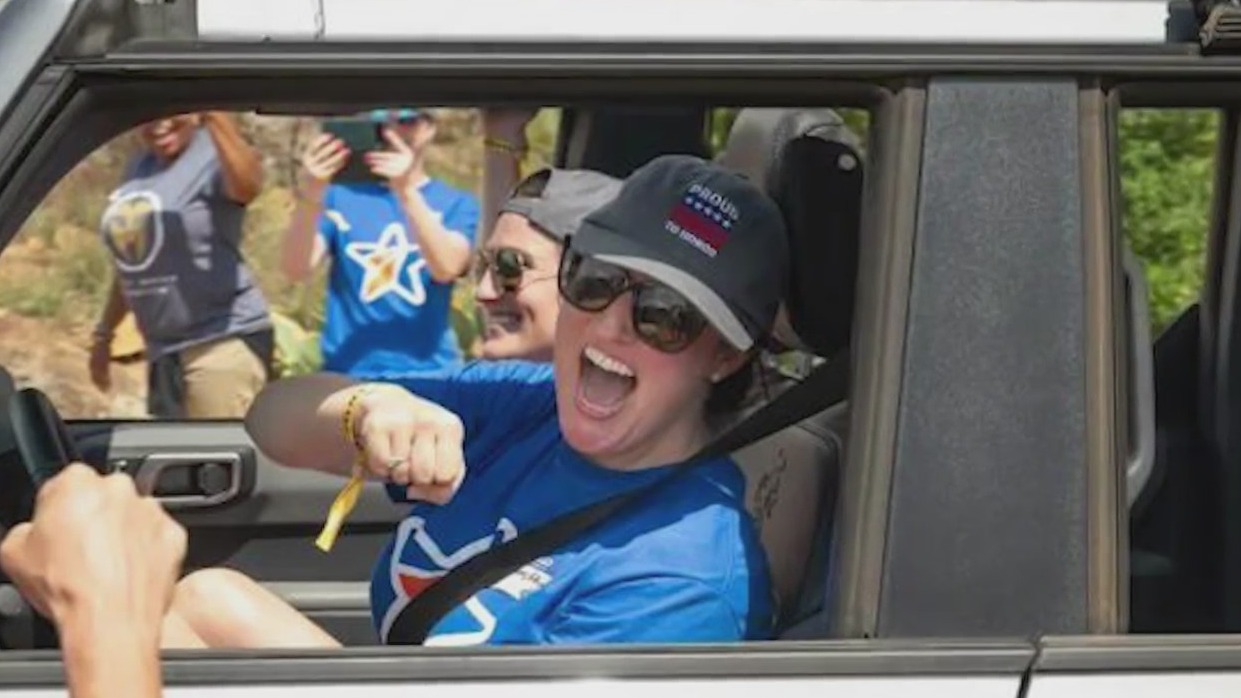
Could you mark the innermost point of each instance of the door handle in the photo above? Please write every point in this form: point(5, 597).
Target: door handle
point(190, 480)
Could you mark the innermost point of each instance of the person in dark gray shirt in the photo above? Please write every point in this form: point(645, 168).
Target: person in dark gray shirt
point(174, 229)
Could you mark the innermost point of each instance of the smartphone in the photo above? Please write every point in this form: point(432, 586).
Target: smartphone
point(360, 136)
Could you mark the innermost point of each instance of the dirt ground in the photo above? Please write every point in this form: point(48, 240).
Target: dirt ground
point(39, 354)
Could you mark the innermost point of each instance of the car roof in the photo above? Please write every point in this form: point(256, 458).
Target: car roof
point(834, 21)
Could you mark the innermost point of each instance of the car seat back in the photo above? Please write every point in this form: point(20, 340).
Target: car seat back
point(810, 163)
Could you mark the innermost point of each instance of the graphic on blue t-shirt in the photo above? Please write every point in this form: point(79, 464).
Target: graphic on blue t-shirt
point(385, 314)
point(684, 566)
point(387, 267)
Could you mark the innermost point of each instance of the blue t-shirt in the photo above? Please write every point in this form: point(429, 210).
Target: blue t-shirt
point(385, 314)
point(685, 565)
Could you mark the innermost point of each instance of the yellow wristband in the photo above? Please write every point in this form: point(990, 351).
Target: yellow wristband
point(349, 418)
point(341, 507)
point(347, 499)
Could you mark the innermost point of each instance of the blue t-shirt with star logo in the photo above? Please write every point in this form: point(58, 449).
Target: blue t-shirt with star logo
point(385, 314)
point(684, 565)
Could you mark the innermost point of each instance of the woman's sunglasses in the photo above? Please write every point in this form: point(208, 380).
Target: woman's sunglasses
point(662, 318)
point(508, 266)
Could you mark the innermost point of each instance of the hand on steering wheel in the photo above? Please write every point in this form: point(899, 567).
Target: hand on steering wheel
point(45, 449)
point(93, 537)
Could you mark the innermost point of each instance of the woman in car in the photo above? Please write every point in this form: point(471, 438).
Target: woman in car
point(667, 292)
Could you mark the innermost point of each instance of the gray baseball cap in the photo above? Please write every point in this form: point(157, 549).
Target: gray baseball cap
point(566, 197)
point(705, 231)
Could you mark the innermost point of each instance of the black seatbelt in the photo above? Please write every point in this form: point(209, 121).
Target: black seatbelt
point(825, 386)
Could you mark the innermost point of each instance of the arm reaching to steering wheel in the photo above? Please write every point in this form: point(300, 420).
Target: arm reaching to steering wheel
point(101, 562)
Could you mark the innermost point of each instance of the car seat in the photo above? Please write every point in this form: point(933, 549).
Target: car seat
point(810, 163)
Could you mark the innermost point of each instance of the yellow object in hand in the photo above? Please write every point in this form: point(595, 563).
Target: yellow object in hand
point(347, 499)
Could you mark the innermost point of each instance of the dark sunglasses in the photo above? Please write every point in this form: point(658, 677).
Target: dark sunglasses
point(662, 318)
point(508, 266)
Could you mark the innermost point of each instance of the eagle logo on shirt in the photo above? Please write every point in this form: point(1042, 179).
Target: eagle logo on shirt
point(133, 229)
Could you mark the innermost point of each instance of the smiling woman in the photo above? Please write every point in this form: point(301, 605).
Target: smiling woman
point(174, 231)
point(651, 323)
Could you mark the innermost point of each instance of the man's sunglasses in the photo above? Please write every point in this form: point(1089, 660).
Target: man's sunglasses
point(662, 318)
point(508, 266)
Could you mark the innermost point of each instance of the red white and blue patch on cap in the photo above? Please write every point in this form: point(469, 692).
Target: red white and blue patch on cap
point(703, 218)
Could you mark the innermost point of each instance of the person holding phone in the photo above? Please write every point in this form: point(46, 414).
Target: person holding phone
point(397, 240)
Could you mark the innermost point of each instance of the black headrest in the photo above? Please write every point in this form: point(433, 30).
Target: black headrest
point(618, 140)
point(810, 163)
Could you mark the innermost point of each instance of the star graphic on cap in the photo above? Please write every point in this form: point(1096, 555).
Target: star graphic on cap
point(388, 268)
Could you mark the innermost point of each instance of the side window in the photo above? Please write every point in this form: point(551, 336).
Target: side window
point(125, 213)
point(1167, 161)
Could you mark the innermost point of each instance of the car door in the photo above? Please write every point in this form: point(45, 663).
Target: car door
point(242, 510)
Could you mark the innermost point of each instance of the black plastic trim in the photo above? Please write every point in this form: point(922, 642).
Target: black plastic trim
point(343, 90)
point(357, 665)
point(1145, 653)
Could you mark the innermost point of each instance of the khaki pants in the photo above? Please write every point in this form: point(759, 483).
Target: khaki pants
point(221, 379)
point(215, 380)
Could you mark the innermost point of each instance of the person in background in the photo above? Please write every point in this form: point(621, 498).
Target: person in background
point(525, 224)
point(504, 148)
point(396, 246)
point(174, 229)
point(515, 276)
point(100, 562)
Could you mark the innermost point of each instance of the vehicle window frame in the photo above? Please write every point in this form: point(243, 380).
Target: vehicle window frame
point(102, 104)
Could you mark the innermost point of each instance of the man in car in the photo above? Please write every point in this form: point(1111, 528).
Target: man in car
point(396, 245)
point(516, 270)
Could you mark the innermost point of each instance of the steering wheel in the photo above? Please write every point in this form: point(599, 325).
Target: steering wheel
point(41, 435)
point(45, 448)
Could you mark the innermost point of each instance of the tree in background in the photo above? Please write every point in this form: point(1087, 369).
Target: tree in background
point(1167, 170)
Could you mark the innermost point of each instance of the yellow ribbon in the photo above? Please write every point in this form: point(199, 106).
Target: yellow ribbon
point(344, 503)
point(347, 499)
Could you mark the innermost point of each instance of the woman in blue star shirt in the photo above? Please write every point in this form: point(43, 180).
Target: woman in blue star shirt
point(668, 291)
point(396, 243)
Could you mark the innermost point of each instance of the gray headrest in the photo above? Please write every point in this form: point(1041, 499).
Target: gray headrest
point(810, 163)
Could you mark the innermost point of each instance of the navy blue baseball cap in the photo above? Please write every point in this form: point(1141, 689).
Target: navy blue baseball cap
point(704, 230)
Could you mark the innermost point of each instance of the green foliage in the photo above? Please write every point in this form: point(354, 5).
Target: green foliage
point(297, 350)
point(1166, 168)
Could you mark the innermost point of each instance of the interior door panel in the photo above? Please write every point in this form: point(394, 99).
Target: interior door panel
point(247, 513)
